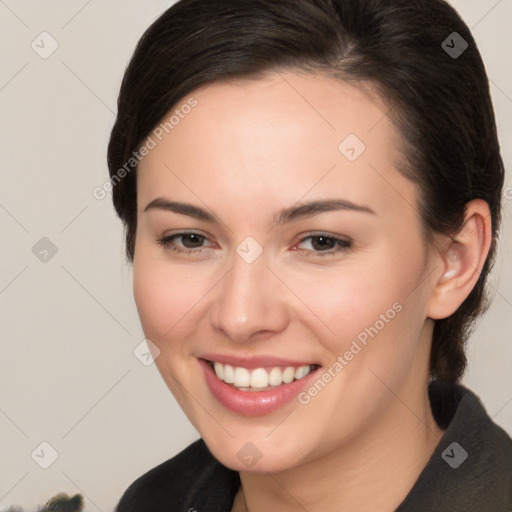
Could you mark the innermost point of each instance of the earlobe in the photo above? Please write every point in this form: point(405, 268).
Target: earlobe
point(460, 261)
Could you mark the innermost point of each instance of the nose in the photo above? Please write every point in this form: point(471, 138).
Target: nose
point(250, 302)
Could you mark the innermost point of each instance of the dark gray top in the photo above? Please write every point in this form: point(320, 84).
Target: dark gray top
point(470, 470)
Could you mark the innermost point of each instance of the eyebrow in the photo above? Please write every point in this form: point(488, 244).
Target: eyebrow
point(293, 213)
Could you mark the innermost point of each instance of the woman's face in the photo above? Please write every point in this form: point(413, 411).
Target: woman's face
point(265, 283)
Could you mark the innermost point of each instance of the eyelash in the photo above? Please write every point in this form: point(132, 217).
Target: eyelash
point(340, 244)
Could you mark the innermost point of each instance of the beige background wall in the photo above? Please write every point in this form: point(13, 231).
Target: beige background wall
point(68, 375)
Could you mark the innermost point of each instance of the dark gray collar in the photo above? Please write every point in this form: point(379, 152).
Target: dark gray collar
point(471, 468)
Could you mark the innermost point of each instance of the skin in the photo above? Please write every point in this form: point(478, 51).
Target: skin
point(248, 150)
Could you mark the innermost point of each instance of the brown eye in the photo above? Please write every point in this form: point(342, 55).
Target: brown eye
point(184, 242)
point(192, 240)
point(324, 245)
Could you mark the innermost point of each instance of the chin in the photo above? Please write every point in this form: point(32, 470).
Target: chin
point(258, 455)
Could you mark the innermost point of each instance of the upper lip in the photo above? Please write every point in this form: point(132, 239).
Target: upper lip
point(252, 362)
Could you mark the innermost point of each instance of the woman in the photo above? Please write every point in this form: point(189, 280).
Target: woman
point(311, 193)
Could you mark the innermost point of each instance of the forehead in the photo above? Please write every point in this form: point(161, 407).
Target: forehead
point(281, 137)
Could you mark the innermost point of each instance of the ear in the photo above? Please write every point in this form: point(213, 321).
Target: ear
point(460, 261)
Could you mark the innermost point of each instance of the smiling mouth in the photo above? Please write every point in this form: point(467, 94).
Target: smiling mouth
point(259, 379)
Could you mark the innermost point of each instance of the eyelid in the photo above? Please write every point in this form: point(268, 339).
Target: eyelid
point(325, 234)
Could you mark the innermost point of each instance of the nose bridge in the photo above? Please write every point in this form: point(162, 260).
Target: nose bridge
point(245, 303)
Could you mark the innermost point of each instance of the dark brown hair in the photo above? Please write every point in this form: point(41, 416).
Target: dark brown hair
point(440, 101)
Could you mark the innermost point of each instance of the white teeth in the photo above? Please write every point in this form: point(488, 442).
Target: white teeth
point(259, 378)
point(300, 372)
point(275, 377)
point(219, 370)
point(242, 378)
point(229, 374)
point(288, 375)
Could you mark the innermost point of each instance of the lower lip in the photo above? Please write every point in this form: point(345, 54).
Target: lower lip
point(253, 403)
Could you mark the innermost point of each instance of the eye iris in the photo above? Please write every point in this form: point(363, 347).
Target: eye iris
point(330, 243)
point(192, 237)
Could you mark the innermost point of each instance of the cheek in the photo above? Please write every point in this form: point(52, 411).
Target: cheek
point(164, 297)
point(364, 302)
